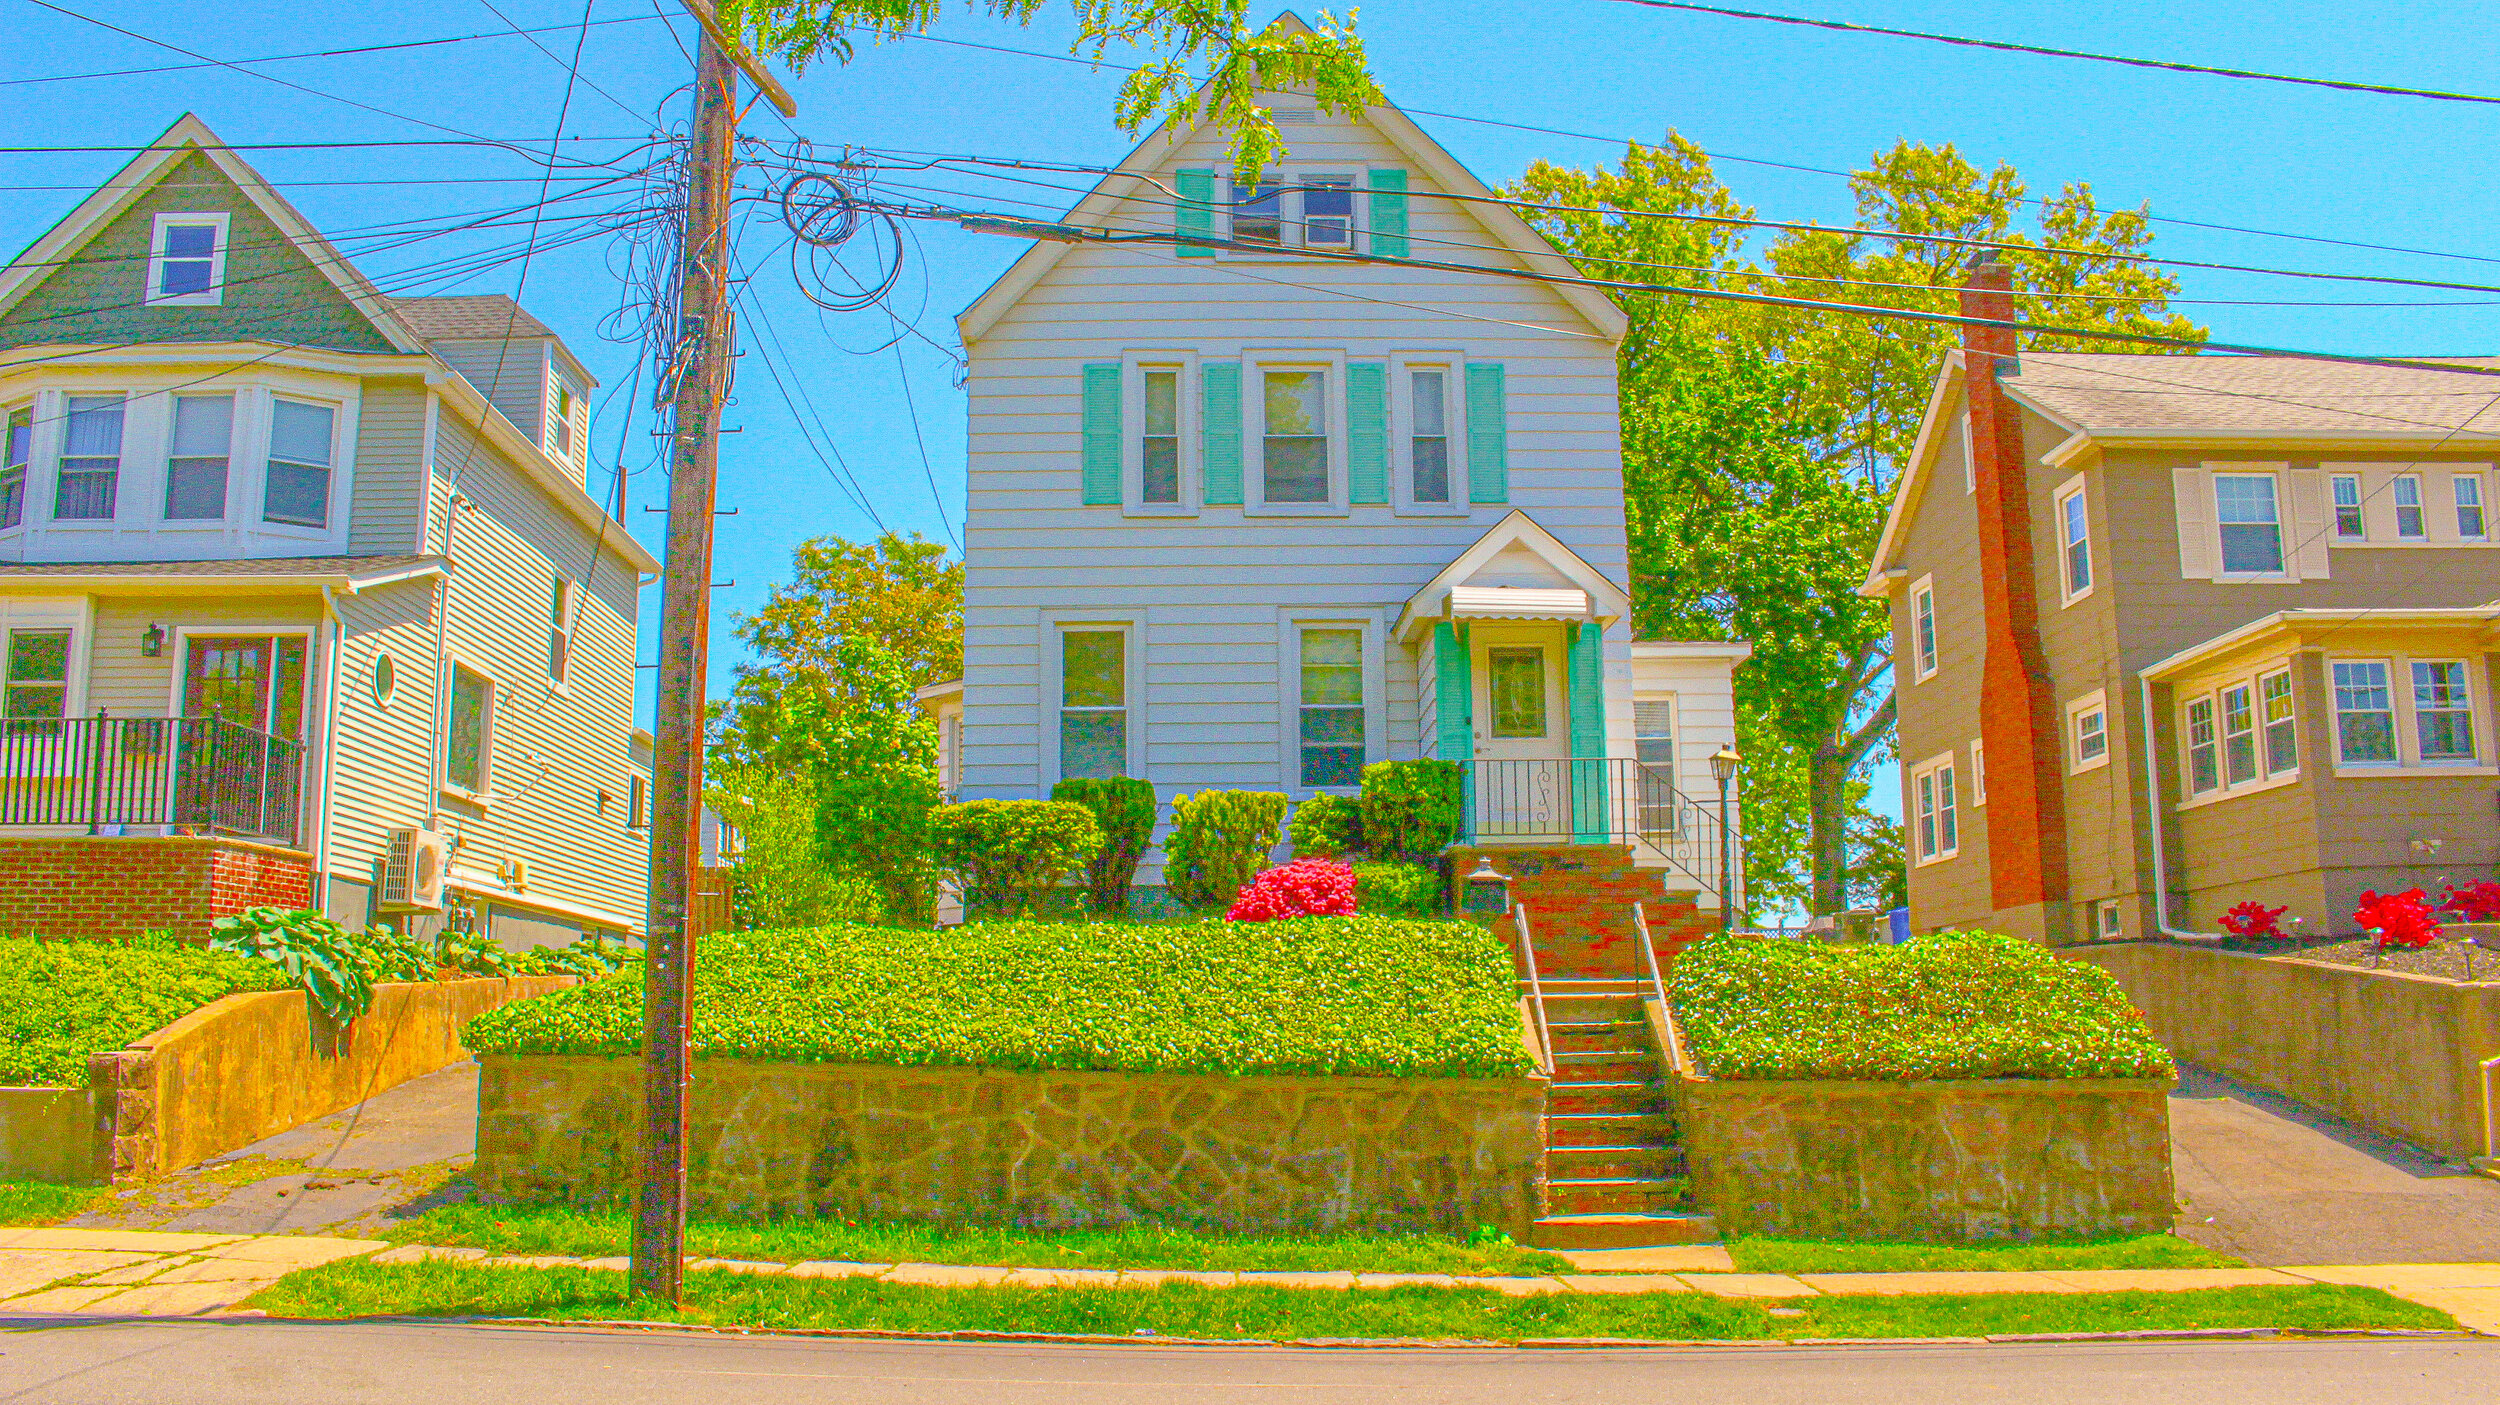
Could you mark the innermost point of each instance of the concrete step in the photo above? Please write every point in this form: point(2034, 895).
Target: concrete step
point(1622, 1231)
point(1612, 1195)
point(1609, 1066)
point(1634, 1161)
point(1618, 1098)
point(1607, 1128)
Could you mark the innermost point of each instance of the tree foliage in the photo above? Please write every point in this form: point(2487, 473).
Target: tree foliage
point(874, 768)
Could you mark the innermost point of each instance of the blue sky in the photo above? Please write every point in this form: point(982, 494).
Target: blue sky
point(2329, 165)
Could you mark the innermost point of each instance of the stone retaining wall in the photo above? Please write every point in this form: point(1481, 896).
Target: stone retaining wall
point(2400, 1054)
point(1964, 1159)
point(1042, 1148)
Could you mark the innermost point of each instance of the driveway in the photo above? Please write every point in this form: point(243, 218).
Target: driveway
point(2269, 1180)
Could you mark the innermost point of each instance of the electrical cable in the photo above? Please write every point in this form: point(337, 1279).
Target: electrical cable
point(313, 54)
point(902, 373)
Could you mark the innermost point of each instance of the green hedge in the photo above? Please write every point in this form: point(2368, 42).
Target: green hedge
point(61, 1001)
point(1341, 995)
point(1952, 1005)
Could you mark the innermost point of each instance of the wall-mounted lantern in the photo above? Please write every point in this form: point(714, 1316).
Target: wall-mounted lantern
point(152, 643)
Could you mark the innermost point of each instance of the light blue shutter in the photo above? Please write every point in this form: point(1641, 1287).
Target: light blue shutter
point(1586, 692)
point(1220, 425)
point(1488, 434)
point(1367, 431)
point(1196, 212)
point(1102, 434)
point(1388, 214)
point(1453, 732)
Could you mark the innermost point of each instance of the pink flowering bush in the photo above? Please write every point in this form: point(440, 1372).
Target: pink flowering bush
point(2400, 919)
point(2253, 920)
point(2475, 902)
point(1303, 888)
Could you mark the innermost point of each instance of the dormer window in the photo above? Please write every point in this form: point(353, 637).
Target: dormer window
point(561, 433)
point(187, 261)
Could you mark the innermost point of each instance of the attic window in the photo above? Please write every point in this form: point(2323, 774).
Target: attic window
point(187, 261)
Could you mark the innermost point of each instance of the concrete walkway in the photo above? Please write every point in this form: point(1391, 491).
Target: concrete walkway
point(109, 1273)
point(2267, 1180)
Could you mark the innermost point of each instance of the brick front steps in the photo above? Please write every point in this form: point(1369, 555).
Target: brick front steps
point(1615, 1175)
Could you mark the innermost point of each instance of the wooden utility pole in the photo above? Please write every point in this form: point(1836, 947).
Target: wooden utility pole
point(702, 355)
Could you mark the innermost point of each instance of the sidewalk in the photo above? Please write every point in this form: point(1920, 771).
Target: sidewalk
point(88, 1272)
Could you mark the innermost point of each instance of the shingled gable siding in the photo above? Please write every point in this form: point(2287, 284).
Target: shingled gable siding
point(272, 291)
point(1208, 591)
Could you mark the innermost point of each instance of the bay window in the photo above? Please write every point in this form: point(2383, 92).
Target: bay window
point(2239, 735)
point(2274, 693)
point(91, 459)
point(197, 458)
point(2204, 765)
point(298, 487)
point(14, 452)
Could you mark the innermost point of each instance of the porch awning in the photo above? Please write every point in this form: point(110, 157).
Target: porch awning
point(1513, 602)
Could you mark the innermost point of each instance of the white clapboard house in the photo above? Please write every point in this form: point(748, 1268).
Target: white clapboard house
point(1254, 516)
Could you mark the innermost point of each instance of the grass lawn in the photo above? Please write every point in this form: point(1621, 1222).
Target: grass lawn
point(1876, 1256)
point(360, 1288)
point(539, 1229)
point(42, 1202)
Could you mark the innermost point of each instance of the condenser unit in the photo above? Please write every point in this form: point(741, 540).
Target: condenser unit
point(412, 871)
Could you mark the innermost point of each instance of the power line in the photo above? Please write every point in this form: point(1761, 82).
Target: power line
point(902, 373)
point(2166, 65)
point(572, 71)
point(314, 54)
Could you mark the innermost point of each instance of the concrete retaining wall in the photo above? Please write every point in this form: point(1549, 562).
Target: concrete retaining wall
point(1049, 1148)
point(1964, 1159)
point(237, 1070)
point(2397, 1053)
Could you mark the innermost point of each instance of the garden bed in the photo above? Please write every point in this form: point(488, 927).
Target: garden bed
point(2444, 959)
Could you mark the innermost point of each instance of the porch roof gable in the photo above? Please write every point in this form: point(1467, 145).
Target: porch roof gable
point(1454, 593)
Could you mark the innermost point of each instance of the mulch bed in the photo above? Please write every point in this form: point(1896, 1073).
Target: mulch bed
point(2446, 959)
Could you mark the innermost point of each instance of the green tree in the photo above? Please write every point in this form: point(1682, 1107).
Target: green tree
point(1759, 443)
point(874, 768)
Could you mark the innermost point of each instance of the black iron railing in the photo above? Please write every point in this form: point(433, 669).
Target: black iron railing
point(192, 773)
point(1606, 801)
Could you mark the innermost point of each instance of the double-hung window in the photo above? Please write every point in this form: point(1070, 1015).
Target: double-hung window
point(1923, 627)
point(1259, 211)
point(2087, 724)
point(1332, 742)
point(1293, 445)
point(187, 261)
point(468, 747)
point(2251, 522)
point(300, 440)
point(2406, 488)
point(1159, 437)
point(2204, 760)
point(1311, 211)
point(38, 681)
point(2274, 702)
point(2468, 491)
point(15, 450)
point(2365, 712)
point(197, 459)
point(2239, 735)
point(1936, 825)
point(2348, 523)
point(91, 459)
point(1428, 438)
point(2443, 715)
point(2074, 528)
point(1327, 212)
point(1093, 703)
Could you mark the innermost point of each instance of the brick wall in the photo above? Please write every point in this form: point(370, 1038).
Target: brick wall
point(1579, 899)
point(81, 887)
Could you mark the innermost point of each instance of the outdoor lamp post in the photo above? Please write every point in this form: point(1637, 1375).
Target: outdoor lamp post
point(1723, 764)
point(1488, 889)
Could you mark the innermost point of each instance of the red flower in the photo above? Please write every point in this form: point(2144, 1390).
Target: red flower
point(2475, 902)
point(1303, 888)
point(2400, 919)
point(2253, 919)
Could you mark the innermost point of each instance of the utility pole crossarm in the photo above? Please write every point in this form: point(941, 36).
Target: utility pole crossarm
point(755, 71)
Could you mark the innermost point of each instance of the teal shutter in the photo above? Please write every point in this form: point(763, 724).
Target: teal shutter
point(1454, 731)
point(1220, 426)
point(1367, 431)
point(1388, 214)
point(1196, 212)
point(1488, 434)
point(1586, 690)
point(1102, 434)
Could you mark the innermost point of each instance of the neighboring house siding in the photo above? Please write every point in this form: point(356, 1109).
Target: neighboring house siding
point(1211, 592)
point(273, 292)
point(511, 375)
point(387, 516)
point(1940, 713)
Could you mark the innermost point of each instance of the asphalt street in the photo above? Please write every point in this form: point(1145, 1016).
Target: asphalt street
point(260, 1362)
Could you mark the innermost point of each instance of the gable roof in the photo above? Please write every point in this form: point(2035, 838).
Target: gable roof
point(468, 317)
point(1399, 130)
point(186, 136)
point(1448, 594)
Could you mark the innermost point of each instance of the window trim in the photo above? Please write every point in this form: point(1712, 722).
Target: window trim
point(1926, 639)
point(57, 443)
point(215, 294)
point(2108, 922)
point(24, 469)
point(2359, 507)
point(454, 664)
point(331, 502)
point(2283, 554)
point(2187, 706)
point(1054, 626)
point(2480, 507)
point(1402, 365)
point(1925, 848)
point(2266, 769)
point(1291, 219)
point(235, 409)
point(2420, 507)
point(2071, 494)
point(2413, 708)
point(2395, 713)
point(2093, 703)
point(1188, 407)
point(2210, 694)
point(1254, 366)
point(1289, 626)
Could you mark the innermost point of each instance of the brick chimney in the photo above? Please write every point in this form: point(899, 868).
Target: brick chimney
point(2017, 715)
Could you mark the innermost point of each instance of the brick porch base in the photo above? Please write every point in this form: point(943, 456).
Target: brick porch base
point(81, 887)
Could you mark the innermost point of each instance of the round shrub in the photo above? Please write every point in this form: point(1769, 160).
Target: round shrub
point(1410, 807)
point(1220, 840)
point(1125, 808)
point(1006, 853)
point(1303, 888)
point(1397, 890)
point(1326, 826)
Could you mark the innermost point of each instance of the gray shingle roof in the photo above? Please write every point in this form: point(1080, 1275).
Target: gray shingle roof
point(2102, 391)
point(260, 566)
point(480, 317)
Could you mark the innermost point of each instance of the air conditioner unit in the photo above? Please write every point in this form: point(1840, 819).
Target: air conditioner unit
point(412, 871)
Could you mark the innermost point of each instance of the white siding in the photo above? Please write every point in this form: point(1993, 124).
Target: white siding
point(387, 514)
point(512, 375)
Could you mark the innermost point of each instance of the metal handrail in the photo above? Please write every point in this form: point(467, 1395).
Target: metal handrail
point(1608, 800)
point(1658, 984)
point(1536, 988)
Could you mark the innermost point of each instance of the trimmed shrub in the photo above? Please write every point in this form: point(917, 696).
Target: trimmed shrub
point(1397, 890)
point(2475, 902)
point(1125, 809)
point(1326, 826)
point(1220, 840)
point(1410, 808)
point(1951, 1005)
point(1353, 996)
point(62, 1001)
point(1303, 888)
point(1006, 853)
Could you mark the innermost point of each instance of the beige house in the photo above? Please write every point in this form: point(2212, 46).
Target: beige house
point(307, 573)
point(2173, 633)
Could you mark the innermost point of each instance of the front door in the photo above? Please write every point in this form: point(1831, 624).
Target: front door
point(1523, 739)
point(238, 758)
point(254, 681)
